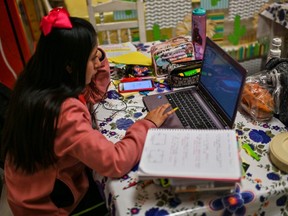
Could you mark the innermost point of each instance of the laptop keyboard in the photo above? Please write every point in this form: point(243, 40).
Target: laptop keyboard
point(190, 118)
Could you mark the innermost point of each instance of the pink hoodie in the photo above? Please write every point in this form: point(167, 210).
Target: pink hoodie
point(76, 145)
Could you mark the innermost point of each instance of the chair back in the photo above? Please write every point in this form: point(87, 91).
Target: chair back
point(47, 6)
point(118, 28)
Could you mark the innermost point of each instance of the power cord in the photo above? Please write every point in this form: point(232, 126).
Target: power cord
point(108, 106)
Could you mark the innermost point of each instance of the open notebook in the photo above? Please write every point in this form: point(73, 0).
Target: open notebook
point(218, 93)
point(190, 155)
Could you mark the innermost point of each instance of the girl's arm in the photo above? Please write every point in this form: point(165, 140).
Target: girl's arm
point(78, 139)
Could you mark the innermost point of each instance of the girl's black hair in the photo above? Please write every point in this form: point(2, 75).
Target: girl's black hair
point(55, 72)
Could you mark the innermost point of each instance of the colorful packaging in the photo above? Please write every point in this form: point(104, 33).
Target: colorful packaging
point(199, 32)
point(175, 60)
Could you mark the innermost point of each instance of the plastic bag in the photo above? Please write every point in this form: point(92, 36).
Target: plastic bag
point(265, 93)
point(257, 101)
point(278, 73)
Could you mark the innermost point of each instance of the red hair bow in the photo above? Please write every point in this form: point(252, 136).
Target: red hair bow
point(57, 18)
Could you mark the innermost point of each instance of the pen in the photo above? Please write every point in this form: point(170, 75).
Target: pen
point(131, 79)
point(180, 57)
point(142, 183)
point(146, 183)
point(172, 50)
point(148, 78)
point(174, 55)
point(131, 184)
point(129, 95)
point(189, 189)
point(183, 60)
point(176, 108)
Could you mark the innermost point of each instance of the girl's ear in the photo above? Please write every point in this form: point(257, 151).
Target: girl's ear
point(68, 69)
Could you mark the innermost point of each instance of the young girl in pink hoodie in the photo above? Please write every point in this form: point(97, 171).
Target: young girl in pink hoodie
point(49, 144)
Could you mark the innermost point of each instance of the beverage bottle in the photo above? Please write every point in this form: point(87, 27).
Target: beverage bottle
point(199, 32)
point(275, 51)
point(274, 76)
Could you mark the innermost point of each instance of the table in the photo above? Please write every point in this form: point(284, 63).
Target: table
point(263, 190)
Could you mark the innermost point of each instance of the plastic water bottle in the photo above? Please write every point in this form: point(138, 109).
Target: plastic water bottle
point(199, 32)
point(275, 51)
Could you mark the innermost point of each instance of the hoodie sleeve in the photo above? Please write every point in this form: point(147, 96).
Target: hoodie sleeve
point(77, 139)
point(97, 88)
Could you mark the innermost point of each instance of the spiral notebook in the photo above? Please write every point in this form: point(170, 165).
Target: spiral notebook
point(210, 155)
point(217, 93)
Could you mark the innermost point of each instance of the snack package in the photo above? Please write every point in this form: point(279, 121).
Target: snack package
point(257, 101)
point(265, 93)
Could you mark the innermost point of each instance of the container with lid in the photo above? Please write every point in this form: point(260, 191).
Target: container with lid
point(278, 151)
point(199, 32)
point(275, 51)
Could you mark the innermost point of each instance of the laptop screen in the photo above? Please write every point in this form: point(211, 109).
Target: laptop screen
point(221, 78)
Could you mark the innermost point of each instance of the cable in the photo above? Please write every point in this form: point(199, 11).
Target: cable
point(94, 120)
point(105, 106)
point(102, 97)
point(123, 109)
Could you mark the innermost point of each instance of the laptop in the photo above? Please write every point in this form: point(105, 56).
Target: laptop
point(217, 94)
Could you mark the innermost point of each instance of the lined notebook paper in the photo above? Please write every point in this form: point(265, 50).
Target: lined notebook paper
point(188, 153)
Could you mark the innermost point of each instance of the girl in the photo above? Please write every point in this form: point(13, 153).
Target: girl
point(48, 140)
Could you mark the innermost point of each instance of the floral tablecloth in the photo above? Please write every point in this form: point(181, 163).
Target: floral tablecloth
point(263, 190)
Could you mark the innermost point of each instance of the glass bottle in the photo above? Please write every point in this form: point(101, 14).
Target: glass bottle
point(275, 51)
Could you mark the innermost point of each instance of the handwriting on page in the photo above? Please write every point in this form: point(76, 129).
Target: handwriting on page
point(207, 151)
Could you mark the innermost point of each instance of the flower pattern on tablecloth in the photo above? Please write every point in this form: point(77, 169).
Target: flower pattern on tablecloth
point(156, 212)
point(273, 179)
point(263, 184)
point(233, 204)
point(282, 201)
point(258, 136)
point(113, 94)
point(116, 105)
point(123, 123)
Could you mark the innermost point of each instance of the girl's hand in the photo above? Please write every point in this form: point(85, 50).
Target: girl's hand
point(159, 114)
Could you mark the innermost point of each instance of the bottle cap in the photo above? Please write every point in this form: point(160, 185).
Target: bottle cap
point(199, 11)
point(276, 41)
